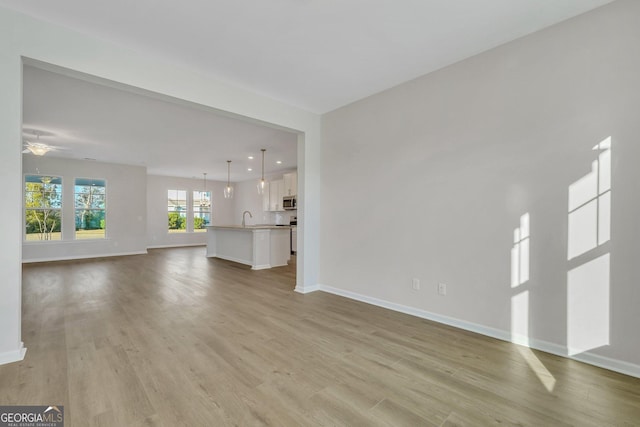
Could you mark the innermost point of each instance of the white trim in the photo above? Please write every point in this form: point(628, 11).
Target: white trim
point(179, 245)
point(279, 265)
point(13, 355)
point(230, 258)
point(74, 257)
point(245, 262)
point(307, 289)
point(548, 347)
point(64, 241)
point(608, 363)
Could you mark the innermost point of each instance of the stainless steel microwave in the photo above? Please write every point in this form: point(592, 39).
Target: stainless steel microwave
point(289, 203)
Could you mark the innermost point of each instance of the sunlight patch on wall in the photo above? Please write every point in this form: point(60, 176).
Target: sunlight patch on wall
point(588, 284)
point(520, 318)
point(520, 276)
point(588, 306)
point(520, 265)
point(520, 253)
point(590, 205)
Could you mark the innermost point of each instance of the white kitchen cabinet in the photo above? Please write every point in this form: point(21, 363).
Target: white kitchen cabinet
point(275, 195)
point(290, 184)
point(258, 246)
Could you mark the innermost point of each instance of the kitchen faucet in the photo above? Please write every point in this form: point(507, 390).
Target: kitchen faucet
point(243, 216)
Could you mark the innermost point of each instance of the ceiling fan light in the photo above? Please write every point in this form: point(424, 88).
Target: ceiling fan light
point(38, 149)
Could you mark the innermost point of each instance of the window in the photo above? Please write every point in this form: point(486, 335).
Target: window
point(42, 207)
point(177, 207)
point(201, 210)
point(90, 208)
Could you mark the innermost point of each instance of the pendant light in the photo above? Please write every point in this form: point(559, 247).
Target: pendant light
point(262, 184)
point(228, 190)
point(204, 200)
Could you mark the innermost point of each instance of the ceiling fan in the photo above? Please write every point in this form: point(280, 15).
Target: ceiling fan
point(36, 147)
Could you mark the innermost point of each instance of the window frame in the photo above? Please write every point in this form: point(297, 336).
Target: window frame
point(184, 214)
point(90, 183)
point(199, 212)
point(26, 208)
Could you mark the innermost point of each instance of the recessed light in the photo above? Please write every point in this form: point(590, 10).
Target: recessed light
point(250, 157)
point(249, 169)
point(279, 162)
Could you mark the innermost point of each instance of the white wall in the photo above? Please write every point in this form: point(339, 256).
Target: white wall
point(11, 347)
point(126, 209)
point(24, 37)
point(157, 186)
point(433, 176)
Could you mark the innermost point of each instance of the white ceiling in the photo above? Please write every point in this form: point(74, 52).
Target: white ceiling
point(315, 54)
point(88, 120)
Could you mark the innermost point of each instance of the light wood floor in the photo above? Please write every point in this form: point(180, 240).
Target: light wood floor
point(175, 339)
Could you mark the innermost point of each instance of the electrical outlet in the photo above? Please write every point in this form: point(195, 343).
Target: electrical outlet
point(416, 284)
point(442, 289)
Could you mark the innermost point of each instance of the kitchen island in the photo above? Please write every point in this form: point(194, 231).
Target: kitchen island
point(260, 246)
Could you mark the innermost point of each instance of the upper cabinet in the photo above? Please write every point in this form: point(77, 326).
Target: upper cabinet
point(290, 184)
point(277, 189)
point(275, 195)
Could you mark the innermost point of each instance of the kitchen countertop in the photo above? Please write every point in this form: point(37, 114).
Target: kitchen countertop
point(251, 227)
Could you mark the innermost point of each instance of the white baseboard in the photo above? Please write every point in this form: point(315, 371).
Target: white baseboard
point(548, 347)
point(13, 355)
point(306, 289)
point(230, 258)
point(175, 246)
point(604, 362)
point(74, 257)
